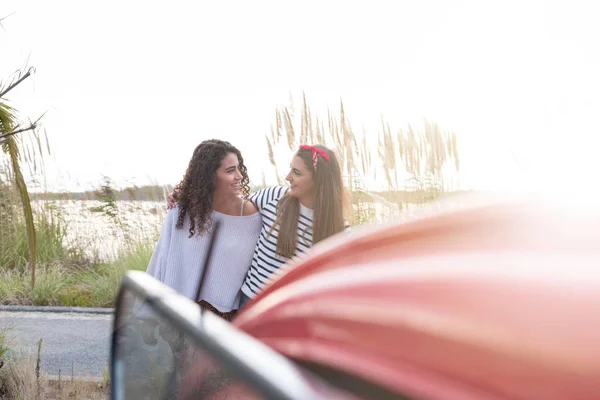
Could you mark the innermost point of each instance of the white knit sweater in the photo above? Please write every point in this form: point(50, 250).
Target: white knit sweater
point(177, 260)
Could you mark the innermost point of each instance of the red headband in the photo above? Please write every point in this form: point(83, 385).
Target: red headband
point(315, 152)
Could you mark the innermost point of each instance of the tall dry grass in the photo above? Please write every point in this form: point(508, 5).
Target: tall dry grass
point(20, 379)
point(402, 168)
point(386, 172)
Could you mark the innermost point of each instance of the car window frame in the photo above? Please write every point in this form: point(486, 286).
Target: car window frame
point(222, 341)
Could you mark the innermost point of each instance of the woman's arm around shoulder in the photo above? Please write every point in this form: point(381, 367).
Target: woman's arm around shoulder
point(264, 196)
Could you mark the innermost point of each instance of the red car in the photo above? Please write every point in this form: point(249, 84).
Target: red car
point(492, 301)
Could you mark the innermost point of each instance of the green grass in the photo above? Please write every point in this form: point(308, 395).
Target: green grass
point(66, 274)
point(59, 285)
point(50, 231)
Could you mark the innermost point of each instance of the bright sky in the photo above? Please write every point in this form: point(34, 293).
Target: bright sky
point(131, 87)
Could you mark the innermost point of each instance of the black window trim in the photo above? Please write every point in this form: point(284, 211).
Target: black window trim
point(218, 338)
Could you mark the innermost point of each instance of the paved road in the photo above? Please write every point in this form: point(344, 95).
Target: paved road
point(71, 340)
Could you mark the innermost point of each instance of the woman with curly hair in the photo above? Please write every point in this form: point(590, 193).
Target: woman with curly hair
point(215, 188)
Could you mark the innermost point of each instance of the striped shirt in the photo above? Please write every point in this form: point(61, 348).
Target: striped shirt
point(266, 261)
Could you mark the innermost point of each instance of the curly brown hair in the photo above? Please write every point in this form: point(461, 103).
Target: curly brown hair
point(197, 188)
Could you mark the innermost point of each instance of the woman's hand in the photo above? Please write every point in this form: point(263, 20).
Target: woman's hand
point(172, 197)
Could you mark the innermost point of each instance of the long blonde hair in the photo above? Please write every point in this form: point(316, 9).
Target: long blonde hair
point(329, 205)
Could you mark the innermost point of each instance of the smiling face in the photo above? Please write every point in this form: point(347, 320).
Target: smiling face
point(228, 177)
point(302, 184)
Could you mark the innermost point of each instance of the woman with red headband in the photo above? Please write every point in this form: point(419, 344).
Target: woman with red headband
point(295, 218)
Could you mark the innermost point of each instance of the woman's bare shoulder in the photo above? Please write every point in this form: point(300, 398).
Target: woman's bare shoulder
point(250, 208)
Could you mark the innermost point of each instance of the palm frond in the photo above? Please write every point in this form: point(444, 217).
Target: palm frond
point(10, 146)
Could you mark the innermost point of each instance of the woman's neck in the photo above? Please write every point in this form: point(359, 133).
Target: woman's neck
point(308, 201)
point(229, 205)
